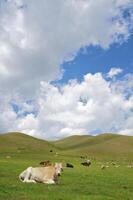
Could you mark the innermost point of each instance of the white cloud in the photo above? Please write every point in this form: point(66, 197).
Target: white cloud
point(127, 132)
point(94, 104)
point(37, 36)
point(7, 116)
point(114, 71)
point(80, 108)
point(28, 124)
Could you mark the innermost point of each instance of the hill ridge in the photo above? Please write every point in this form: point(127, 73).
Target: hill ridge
point(100, 145)
point(13, 141)
point(104, 144)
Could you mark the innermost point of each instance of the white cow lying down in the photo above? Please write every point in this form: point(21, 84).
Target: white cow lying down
point(47, 174)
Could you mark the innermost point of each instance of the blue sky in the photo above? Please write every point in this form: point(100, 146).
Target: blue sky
point(96, 59)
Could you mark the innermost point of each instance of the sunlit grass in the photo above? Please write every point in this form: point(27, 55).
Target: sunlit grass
point(79, 183)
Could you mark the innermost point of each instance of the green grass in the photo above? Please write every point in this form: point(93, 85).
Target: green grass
point(80, 183)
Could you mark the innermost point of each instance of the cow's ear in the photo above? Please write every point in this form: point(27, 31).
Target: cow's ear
point(56, 164)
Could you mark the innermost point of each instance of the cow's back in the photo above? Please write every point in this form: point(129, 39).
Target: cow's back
point(42, 173)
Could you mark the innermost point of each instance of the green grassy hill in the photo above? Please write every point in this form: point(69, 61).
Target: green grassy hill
point(72, 142)
point(18, 145)
point(102, 145)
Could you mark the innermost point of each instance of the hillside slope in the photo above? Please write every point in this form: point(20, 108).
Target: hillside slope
point(72, 142)
point(105, 145)
point(12, 142)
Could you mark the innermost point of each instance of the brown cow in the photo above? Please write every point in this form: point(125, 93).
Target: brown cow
point(45, 163)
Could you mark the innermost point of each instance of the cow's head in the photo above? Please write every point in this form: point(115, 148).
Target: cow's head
point(58, 168)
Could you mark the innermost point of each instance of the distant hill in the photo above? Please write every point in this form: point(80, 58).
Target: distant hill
point(13, 142)
point(101, 145)
point(72, 142)
point(105, 145)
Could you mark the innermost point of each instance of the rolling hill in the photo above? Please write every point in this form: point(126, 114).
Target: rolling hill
point(112, 145)
point(72, 142)
point(105, 145)
point(12, 142)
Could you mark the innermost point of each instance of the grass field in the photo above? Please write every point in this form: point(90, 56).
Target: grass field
point(18, 151)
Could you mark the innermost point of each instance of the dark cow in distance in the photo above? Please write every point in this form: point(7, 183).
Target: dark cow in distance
point(86, 163)
point(83, 157)
point(69, 165)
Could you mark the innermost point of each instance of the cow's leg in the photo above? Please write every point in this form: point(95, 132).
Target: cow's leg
point(22, 175)
point(28, 175)
point(50, 181)
point(29, 181)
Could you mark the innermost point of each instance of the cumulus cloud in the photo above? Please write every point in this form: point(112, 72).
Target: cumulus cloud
point(92, 105)
point(36, 37)
point(127, 132)
point(114, 71)
point(7, 116)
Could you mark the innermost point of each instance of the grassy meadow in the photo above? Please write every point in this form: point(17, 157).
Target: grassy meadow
point(19, 151)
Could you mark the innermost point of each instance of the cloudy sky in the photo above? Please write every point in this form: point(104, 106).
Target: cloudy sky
point(66, 67)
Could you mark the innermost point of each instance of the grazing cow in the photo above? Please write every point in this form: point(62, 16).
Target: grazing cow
point(130, 166)
point(8, 157)
point(104, 166)
point(117, 166)
point(48, 175)
point(69, 165)
point(83, 157)
point(87, 163)
point(113, 163)
point(45, 163)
